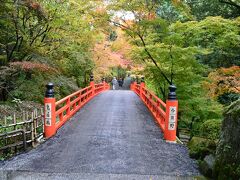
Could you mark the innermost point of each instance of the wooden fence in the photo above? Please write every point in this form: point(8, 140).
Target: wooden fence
point(18, 133)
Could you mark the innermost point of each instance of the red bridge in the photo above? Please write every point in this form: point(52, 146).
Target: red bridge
point(95, 133)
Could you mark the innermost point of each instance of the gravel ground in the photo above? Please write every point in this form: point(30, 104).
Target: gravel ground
point(113, 135)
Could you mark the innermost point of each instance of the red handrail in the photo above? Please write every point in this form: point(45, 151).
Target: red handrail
point(68, 106)
point(160, 110)
point(156, 106)
point(62, 110)
point(99, 87)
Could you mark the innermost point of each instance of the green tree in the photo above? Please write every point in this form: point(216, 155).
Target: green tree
point(204, 8)
point(171, 56)
point(219, 35)
point(58, 34)
point(24, 25)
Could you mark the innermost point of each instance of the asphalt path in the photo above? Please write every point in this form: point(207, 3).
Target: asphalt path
point(114, 136)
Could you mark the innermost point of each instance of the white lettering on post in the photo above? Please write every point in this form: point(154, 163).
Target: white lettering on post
point(172, 118)
point(48, 114)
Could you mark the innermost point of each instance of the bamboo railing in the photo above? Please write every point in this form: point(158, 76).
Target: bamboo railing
point(20, 133)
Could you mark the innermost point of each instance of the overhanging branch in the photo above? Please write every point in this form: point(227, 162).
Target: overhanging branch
point(231, 3)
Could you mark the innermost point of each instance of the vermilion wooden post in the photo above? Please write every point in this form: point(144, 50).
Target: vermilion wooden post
point(137, 80)
point(104, 84)
point(68, 107)
point(171, 115)
point(49, 112)
point(92, 84)
point(134, 86)
point(142, 85)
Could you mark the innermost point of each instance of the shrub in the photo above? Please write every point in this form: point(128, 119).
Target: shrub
point(211, 129)
point(200, 147)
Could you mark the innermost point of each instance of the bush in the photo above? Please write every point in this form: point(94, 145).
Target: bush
point(200, 147)
point(211, 129)
point(33, 89)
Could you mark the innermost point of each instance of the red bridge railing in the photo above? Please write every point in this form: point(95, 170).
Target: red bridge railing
point(57, 113)
point(165, 114)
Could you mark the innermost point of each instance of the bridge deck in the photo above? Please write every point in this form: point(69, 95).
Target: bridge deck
point(113, 134)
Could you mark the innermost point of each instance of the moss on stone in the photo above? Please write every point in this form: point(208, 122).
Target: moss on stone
point(227, 164)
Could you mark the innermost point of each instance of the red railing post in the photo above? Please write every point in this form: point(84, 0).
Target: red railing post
point(134, 86)
point(92, 84)
point(68, 106)
point(104, 84)
point(171, 115)
point(142, 85)
point(150, 102)
point(49, 112)
point(137, 79)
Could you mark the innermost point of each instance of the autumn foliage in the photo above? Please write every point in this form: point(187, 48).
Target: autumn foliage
point(224, 80)
point(27, 66)
point(112, 54)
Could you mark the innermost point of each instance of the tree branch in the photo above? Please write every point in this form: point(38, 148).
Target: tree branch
point(171, 56)
point(40, 33)
point(153, 60)
point(17, 38)
point(231, 3)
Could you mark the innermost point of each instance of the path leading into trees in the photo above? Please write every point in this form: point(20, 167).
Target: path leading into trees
point(112, 137)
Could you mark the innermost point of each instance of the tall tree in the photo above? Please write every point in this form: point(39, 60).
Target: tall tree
point(225, 8)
